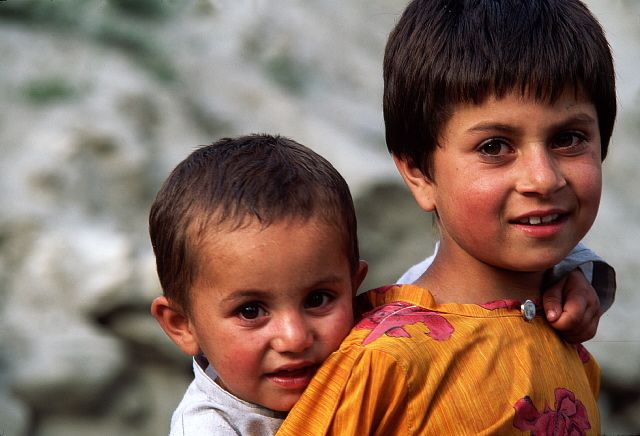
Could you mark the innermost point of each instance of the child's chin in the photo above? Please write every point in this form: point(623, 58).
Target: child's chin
point(283, 404)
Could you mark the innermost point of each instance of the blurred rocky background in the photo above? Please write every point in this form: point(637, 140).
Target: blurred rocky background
point(101, 98)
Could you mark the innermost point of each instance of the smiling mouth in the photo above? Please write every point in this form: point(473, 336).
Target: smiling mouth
point(540, 220)
point(293, 378)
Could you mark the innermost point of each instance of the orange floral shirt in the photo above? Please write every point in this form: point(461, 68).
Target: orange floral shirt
point(414, 367)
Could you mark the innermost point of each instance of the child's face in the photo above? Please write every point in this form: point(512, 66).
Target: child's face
point(516, 182)
point(270, 305)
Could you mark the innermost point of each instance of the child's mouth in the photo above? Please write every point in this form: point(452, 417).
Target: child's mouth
point(543, 220)
point(297, 378)
point(540, 220)
point(541, 226)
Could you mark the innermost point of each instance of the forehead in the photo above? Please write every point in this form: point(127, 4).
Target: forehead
point(288, 235)
point(284, 258)
point(517, 107)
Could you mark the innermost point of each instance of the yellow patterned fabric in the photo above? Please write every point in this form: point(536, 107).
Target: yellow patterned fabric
point(414, 367)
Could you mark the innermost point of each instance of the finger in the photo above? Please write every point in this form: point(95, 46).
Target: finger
point(589, 326)
point(594, 304)
point(583, 335)
point(581, 311)
point(577, 282)
point(552, 300)
point(572, 314)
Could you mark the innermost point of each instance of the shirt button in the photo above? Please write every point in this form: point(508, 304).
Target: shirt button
point(528, 309)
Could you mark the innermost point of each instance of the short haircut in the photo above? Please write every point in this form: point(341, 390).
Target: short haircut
point(447, 52)
point(237, 182)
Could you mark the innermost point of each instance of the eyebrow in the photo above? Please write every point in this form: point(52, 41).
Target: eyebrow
point(492, 127)
point(246, 294)
point(489, 126)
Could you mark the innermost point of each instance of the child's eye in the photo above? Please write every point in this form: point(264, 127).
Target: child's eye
point(251, 311)
point(317, 299)
point(568, 140)
point(494, 147)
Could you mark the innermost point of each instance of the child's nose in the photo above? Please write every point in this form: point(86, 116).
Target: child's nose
point(539, 173)
point(293, 334)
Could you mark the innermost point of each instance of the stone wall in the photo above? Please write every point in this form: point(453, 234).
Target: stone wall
point(102, 99)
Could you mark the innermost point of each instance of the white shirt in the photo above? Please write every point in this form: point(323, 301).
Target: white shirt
point(208, 409)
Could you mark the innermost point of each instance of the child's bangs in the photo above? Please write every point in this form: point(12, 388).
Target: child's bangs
point(541, 69)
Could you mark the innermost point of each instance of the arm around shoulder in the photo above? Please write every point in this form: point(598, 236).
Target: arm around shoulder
point(597, 271)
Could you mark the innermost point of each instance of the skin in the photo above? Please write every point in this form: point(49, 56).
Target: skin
point(269, 305)
point(500, 168)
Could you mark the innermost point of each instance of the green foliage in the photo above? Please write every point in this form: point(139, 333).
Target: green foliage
point(284, 68)
point(288, 73)
point(49, 89)
point(143, 8)
point(63, 13)
point(120, 25)
point(126, 36)
point(71, 12)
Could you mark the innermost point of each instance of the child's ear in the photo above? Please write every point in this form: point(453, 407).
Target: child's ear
point(420, 186)
point(175, 324)
point(361, 273)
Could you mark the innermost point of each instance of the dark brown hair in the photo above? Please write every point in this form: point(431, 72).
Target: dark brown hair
point(236, 182)
point(445, 52)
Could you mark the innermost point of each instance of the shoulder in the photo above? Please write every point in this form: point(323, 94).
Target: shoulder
point(358, 390)
point(401, 323)
point(384, 345)
point(216, 411)
point(198, 413)
point(203, 421)
point(197, 416)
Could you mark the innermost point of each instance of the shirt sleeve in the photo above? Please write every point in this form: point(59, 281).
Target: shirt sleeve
point(353, 395)
point(414, 273)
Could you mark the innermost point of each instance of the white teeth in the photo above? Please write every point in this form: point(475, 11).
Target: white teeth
point(535, 220)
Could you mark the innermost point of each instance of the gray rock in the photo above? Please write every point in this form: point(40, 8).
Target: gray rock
point(102, 99)
point(65, 369)
point(140, 329)
point(15, 416)
point(83, 266)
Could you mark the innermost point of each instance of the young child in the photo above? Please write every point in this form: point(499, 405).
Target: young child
point(257, 253)
point(498, 115)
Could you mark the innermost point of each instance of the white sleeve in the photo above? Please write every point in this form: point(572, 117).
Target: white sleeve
point(414, 273)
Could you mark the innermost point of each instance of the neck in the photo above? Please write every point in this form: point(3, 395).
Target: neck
point(459, 278)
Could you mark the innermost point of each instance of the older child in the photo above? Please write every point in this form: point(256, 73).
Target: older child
point(498, 114)
point(257, 254)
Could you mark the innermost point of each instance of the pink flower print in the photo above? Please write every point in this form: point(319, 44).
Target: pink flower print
point(391, 318)
point(568, 418)
point(583, 353)
point(506, 304)
point(501, 304)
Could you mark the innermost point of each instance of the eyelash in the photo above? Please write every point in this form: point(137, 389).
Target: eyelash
point(327, 298)
point(581, 138)
point(261, 311)
point(481, 149)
